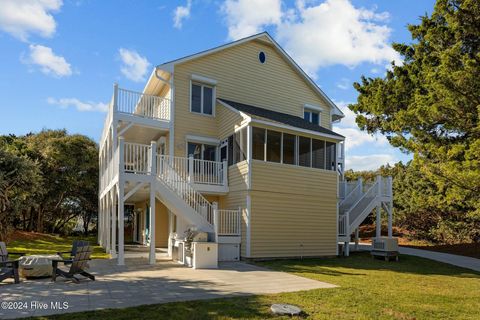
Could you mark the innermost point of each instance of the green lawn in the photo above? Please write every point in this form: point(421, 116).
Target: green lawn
point(413, 288)
point(35, 243)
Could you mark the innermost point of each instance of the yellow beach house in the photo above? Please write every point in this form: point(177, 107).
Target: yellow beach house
point(229, 154)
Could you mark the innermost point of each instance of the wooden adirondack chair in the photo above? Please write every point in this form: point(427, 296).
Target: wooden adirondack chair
point(8, 268)
point(71, 254)
point(78, 265)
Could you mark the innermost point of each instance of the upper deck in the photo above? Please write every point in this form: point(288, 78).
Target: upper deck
point(137, 109)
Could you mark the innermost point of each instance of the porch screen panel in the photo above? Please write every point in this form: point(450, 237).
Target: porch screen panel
point(304, 152)
point(289, 148)
point(318, 154)
point(274, 145)
point(331, 156)
point(258, 143)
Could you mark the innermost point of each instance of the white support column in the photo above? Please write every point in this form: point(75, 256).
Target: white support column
point(378, 223)
point(152, 256)
point(153, 170)
point(108, 218)
point(120, 207)
point(216, 219)
point(347, 248)
point(113, 223)
point(115, 97)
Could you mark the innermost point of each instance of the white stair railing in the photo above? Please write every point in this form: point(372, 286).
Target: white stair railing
point(183, 189)
point(358, 207)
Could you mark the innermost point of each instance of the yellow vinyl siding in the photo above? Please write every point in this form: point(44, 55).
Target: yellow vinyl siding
point(161, 222)
point(227, 121)
point(274, 85)
point(237, 197)
point(296, 217)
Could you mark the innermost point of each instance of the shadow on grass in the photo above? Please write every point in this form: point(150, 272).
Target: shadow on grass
point(50, 244)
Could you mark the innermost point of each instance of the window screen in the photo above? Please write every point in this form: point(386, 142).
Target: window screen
point(274, 142)
point(258, 143)
point(289, 148)
point(304, 153)
point(318, 154)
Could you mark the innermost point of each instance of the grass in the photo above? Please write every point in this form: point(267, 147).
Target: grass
point(39, 243)
point(413, 288)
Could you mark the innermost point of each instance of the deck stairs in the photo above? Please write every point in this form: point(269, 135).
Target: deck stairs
point(181, 197)
point(357, 201)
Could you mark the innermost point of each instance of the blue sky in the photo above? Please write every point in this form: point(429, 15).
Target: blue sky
point(61, 58)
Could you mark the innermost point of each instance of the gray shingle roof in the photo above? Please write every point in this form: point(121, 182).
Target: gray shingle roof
point(280, 117)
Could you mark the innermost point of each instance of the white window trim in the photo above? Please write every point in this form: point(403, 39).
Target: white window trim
point(202, 139)
point(202, 79)
point(313, 108)
point(214, 94)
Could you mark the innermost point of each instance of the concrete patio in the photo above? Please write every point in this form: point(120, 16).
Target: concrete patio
point(138, 283)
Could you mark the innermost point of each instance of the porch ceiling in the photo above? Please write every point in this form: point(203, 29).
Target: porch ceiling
point(141, 134)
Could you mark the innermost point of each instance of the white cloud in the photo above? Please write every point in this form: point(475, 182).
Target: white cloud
point(181, 13)
point(370, 162)
point(20, 18)
point(134, 67)
point(344, 84)
point(247, 17)
point(335, 32)
point(316, 35)
point(48, 61)
point(355, 137)
point(79, 105)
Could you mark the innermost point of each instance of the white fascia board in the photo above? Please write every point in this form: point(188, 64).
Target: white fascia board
point(284, 126)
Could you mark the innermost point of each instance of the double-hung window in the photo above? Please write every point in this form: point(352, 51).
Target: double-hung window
point(312, 116)
point(202, 151)
point(202, 98)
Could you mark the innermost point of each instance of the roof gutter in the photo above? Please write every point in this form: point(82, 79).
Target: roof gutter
point(157, 69)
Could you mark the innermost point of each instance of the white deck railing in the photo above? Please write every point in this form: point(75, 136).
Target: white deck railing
point(228, 222)
point(137, 158)
point(199, 171)
point(140, 104)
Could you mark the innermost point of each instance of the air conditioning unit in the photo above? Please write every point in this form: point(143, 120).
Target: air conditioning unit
point(385, 244)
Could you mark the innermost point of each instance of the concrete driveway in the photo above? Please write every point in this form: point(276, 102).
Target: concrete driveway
point(138, 283)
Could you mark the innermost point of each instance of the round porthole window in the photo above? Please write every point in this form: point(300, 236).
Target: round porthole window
point(262, 57)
